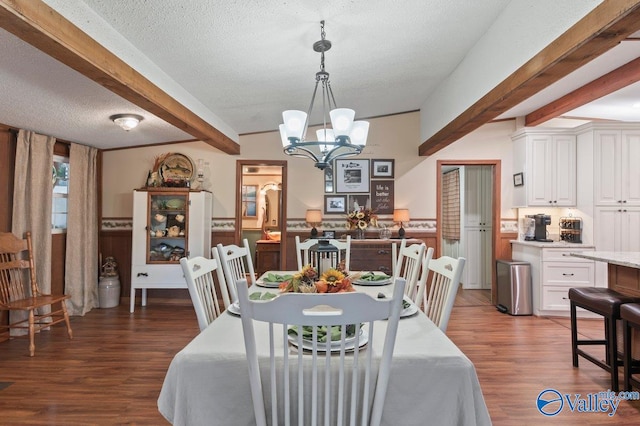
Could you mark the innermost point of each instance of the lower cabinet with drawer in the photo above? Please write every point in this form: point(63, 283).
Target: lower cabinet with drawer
point(374, 254)
point(553, 272)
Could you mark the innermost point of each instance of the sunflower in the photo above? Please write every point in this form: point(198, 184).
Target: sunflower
point(332, 276)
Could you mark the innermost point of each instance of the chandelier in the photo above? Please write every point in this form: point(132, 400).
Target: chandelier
point(345, 137)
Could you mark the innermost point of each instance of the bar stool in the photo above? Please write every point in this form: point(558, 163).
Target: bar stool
point(605, 302)
point(630, 314)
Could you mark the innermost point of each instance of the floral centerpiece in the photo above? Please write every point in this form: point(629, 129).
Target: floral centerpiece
point(360, 220)
point(307, 281)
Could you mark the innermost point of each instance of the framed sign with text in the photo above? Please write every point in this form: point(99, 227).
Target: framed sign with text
point(382, 196)
point(351, 176)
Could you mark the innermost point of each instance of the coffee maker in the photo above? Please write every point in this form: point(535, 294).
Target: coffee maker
point(541, 222)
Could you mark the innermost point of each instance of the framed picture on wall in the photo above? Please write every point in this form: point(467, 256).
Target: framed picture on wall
point(358, 201)
point(352, 175)
point(518, 179)
point(381, 168)
point(328, 180)
point(335, 204)
point(382, 197)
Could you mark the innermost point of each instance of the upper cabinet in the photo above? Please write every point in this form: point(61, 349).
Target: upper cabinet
point(616, 156)
point(548, 161)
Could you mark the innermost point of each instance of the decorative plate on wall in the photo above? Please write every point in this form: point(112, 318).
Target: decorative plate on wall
point(176, 167)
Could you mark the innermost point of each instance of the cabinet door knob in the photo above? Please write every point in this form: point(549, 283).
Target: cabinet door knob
point(142, 274)
point(382, 251)
point(624, 201)
point(566, 254)
point(383, 268)
point(567, 275)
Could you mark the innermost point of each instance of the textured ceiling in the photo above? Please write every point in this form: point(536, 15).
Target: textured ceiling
point(244, 62)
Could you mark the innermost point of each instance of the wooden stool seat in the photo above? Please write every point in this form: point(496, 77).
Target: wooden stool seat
point(630, 315)
point(607, 303)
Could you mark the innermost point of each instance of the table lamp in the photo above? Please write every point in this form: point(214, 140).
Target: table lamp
point(314, 218)
point(400, 216)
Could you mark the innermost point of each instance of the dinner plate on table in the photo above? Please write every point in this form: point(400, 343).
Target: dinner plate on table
point(273, 284)
point(234, 309)
point(410, 309)
point(350, 343)
point(360, 281)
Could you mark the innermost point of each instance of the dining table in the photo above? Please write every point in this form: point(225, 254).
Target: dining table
point(431, 380)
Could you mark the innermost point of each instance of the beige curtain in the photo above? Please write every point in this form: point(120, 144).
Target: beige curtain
point(81, 265)
point(32, 204)
point(451, 205)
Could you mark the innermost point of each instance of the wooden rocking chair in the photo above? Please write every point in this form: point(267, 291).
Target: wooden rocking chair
point(16, 295)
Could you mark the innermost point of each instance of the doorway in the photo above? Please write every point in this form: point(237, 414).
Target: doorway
point(475, 235)
point(261, 200)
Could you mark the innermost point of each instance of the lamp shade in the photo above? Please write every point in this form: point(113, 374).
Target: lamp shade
point(401, 215)
point(283, 136)
point(342, 120)
point(294, 123)
point(313, 216)
point(359, 132)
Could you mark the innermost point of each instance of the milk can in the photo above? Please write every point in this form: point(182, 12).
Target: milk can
point(109, 284)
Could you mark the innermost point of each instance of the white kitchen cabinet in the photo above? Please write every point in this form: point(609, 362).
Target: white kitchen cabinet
point(618, 228)
point(168, 223)
point(553, 272)
point(617, 174)
point(549, 164)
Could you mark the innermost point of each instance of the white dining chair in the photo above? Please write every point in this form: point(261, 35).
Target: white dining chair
point(302, 251)
point(315, 386)
point(198, 272)
point(421, 294)
point(236, 265)
point(444, 287)
point(408, 265)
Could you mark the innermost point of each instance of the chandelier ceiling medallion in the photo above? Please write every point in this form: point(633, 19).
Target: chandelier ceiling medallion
point(345, 137)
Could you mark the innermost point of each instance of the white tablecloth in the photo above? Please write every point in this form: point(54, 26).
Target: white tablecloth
point(432, 381)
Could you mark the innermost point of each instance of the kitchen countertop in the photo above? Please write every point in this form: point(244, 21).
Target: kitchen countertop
point(553, 244)
point(622, 258)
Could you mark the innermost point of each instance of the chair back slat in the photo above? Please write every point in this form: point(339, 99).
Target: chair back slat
point(344, 252)
point(410, 259)
point(444, 286)
point(13, 274)
point(351, 392)
point(421, 294)
point(236, 265)
point(198, 273)
point(302, 252)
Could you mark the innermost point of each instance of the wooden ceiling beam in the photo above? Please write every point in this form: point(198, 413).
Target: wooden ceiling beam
point(608, 83)
point(600, 30)
point(39, 25)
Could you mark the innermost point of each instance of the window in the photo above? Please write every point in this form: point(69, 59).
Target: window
point(60, 181)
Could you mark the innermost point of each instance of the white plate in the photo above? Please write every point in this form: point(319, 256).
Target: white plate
point(349, 346)
point(267, 284)
point(372, 283)
point(234, 309)
point(407, 312)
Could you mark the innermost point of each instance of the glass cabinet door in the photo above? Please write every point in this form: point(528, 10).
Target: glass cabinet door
point(168, 227)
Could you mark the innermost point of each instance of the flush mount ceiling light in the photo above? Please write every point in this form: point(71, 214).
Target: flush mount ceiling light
point(126, 121)
point(345, 138)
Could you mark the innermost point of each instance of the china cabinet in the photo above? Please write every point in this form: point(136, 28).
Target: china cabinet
point(168, 223)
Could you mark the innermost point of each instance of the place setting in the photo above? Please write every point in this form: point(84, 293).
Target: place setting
point(355, 335)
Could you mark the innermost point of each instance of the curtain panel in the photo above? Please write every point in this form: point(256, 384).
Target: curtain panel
point(81, 263)
point(32, 196)
point(451, 205)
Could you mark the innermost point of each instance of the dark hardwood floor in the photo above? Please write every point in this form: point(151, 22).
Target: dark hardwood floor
point(113, 369)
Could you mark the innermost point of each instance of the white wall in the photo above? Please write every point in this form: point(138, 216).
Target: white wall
point(396, 137)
